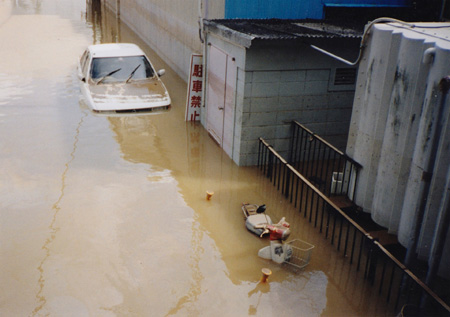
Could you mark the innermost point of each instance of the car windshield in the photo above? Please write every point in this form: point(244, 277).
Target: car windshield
point(118, 69)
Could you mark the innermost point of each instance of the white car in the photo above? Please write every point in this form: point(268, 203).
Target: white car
point(120, 78)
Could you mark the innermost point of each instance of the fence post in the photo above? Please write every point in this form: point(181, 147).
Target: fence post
point(366, 243)
point(287, 180)
point(373, 261)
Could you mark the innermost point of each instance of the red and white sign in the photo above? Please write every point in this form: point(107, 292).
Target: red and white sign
point(195, 88)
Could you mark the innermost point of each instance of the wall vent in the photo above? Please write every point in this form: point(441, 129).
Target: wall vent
point(345, 76)
point(342, 79)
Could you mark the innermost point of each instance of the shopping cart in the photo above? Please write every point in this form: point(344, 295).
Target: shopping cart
point(299, 253)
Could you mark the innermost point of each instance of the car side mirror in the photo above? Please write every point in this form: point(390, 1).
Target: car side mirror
point(161, 72)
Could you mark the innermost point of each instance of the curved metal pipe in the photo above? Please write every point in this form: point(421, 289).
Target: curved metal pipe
point(363, 40)
point(428, 55)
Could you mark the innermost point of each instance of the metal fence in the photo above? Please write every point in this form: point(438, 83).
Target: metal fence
point(391, 278)
point(328, 168)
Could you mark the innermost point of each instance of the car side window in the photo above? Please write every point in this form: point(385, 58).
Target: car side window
point(85, 62)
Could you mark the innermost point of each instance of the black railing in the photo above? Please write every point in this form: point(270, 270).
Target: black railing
point(390, 277)
point(329, 169)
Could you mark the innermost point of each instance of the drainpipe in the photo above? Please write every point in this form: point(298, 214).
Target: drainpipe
point(427, 175)
point(200, 21)
point(441, 15)
point(428, 55)
point(362, 44)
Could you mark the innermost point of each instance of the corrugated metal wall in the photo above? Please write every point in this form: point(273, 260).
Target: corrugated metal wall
point(295, 9)
point(260, 9)
point(366, 3)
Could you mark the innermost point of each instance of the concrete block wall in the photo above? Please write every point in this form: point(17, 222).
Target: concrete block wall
point(294, 84)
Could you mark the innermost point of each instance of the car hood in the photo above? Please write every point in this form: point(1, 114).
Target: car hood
point(128, 96)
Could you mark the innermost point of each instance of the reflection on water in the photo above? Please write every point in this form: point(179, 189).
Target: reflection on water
point(13, 88)
point(27, 6)
point(310, 296)
point(106, 25)
point(258, 291)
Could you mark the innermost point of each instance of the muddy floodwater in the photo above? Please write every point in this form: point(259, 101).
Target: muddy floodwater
point(107, 216)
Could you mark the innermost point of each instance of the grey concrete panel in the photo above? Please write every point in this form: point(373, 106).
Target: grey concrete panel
point(315, 101)
point(316, 87)
point(292, 88)
point(283, 131)
point(258, 119)
point(375, 78)
point(290, 103)
point(248, 88)
point(337, 128)
point(318, 75)
point(264, 104)
point(251, 147)
point(300, 116)
point(340, 99)
point(265, 89)
point(254, 133)
point(293, 75)
point(266, 76)
point(396, 154)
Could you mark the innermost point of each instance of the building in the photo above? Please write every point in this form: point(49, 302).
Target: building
point(262, 74)
point(400, 134)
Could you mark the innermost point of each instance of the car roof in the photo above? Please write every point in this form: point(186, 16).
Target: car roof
point(115, 49)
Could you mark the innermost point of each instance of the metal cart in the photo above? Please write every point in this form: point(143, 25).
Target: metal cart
point(300, 253)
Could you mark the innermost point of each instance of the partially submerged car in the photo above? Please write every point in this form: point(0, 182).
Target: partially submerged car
point(120, 78)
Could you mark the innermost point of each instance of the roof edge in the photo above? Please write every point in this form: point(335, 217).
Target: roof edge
point(219, 29)
point(245, 31)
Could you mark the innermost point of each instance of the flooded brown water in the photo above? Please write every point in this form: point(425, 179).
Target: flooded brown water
point(107, 216)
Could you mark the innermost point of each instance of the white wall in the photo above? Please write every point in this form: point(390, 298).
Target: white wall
point(170, 28)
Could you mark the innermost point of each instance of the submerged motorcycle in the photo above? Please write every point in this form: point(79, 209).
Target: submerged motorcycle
point(295, 252)
point(255, 216)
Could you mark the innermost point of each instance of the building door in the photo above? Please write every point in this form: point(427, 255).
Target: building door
point(221, 98)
